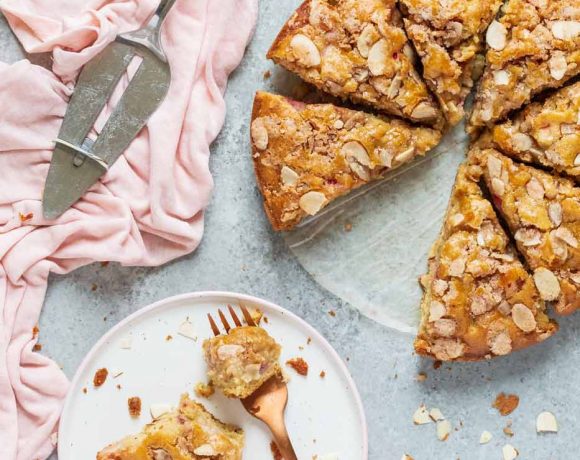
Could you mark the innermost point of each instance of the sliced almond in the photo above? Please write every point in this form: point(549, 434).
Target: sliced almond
point(289, 176)
point(555, 213)
point(424, 111)
point(259, 134)
point(205, 450)
point(445, 327)
point(494, 166)
point(577, 159)
point(523, 317)
point(157, 410)
point(485, 437)
point(522, 142)
point(421, 416)
point(547, 284)
point(125, 343)
point(546, 423)
point(500, 344)
point(501, 77)
point(496, 36)
point(456, 219)
point(497, 186)
point(378, 58)
point(565, 30)
point(528, 236)
point(443, 430)
point(436, 415)
point(229, 351)
point(405, 155)
point(305, 50)
point(457, 267)
point(436, 311)
point(186, 330)
point(357, 159)
point(558, 65)
point(535, 189)
point(566, 236)
point(312, 202)
point(366, 39)
point(509, 452)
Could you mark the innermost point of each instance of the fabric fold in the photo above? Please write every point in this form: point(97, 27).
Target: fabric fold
point(146, 211)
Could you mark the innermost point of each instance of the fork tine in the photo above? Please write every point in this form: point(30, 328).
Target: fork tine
point(247, 316)
point(224, 320)
point(214, 328)
point(234, 316)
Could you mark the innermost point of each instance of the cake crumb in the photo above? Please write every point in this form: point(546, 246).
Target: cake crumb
point(421, 377)
point(204, 390)
point(35, 332)
point(104, 263)
point(276, 454)
point(186, 330)
point(100, 377)
point(508, 429)
point(267, 74)
point(26, 217)
point(485, 437)
point(509, 452)
point(299, 365)
point(157, 410)
point(134, 404)
point(37, 347)
point(332, 313)
point(421, 416)
point(443, 430)
point(118, 386)
point(347, 227)
point(168, 338)
point(407, 457)
point(308, 341)
point(322, 374)
point(85, 390)
point(505, 403)
point(437, 364)
point(94, 287)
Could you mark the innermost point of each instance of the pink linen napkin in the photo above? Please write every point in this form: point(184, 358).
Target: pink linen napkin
point(146, 211)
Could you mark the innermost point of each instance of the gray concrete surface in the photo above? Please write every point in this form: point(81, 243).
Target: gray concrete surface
point(240, 253)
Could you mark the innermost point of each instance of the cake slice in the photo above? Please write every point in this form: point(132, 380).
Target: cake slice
point(479, 301)
point(356, 49)
point(242, 360)
point(545, 133)
point(187, 433)
point(534, 46)
point(543, 213)
point(449, 38)
point(306, 155)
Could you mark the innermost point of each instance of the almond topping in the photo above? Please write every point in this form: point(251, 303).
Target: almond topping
point(259, 134)
point(494, 166)
point(305, 50)
point(523, 317)
point(535, 189)
point(497, 186)
point(205, 450)
point(522, 142)
point(289, 176)
point(157, 410)
point(565, 30)
point(566, 236)
point(555, 213)
point(496, 36)
point(378, 58)
point(501, 344)
point(546, 423)
point(312, 202)
point(558, 65)
point(366, 39)
point(424, 111)
point(501, 77)
point(445, 327)
point(436, 311)
point(547, 284)
point(405, 156)
point(357, 158)
point(229, 351)
point(528, 236)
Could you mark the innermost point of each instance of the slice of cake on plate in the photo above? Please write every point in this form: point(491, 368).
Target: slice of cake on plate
point(242, 360)
point(545, 133)
point(356, 49)
point(187, 433)
point(307, 155)
point(543, 213)
point(534, 46)
point(479, 301)
point(449, 37)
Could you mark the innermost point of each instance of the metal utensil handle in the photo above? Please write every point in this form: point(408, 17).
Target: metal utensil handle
point(163, 10)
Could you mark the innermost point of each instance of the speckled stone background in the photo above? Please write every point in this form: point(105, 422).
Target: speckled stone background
point(240, 253)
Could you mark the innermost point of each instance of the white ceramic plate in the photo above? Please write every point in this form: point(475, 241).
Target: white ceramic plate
point(324, 416)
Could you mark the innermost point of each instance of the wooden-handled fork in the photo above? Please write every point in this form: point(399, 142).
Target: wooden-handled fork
point(269, 401)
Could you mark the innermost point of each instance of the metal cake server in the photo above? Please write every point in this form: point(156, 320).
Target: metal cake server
point(78, 162)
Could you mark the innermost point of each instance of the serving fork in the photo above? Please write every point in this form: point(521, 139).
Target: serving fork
point(269, 401)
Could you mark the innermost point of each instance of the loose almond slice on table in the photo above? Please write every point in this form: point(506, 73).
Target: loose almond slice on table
point(449, 37)
point(356, 49)
point(543, 213)
point(534, 46)
point(307, 155)
point(479, 301)
point(545, 133)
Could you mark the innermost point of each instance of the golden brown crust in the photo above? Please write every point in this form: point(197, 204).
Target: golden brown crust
point(356, 49)
point(545, 133)
point(543, 213)
point(187, 433)
point(534, 46)
point(307, 155)
point(479, 301)
point(448, 37)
